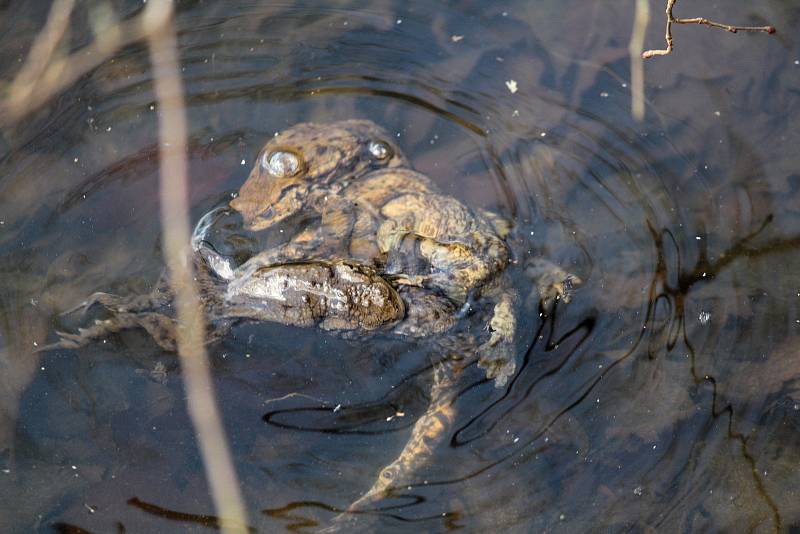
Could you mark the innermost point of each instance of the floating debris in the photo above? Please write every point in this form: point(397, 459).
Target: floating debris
point(512, 86)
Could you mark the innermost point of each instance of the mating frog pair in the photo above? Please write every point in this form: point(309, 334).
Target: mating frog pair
point(373, 209)
point(389, 253)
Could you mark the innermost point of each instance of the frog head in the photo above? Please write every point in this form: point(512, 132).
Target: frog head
point(308, 161)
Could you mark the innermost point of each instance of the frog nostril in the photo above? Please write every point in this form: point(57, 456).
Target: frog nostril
point(268, 213)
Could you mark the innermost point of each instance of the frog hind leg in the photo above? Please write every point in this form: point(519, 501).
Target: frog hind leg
point(452, 267)
point(459, 270)
point(551, 281)
point(160, 327)
point(428, 432)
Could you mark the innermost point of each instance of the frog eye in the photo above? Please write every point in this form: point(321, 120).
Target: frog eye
point(281, 163)
point(379, 150)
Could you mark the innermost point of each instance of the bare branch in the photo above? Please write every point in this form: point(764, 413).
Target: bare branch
point(697, 20)
point(45, 75)
point(640, 20)
point(174, 197)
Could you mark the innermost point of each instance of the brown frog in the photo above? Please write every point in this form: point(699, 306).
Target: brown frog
point(302, 165)
point(394, 219)
point(426, 243)
point(390, 254)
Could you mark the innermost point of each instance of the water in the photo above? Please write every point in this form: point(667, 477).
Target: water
point(664, 396)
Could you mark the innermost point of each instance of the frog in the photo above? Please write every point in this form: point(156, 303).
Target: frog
point(398, 221)
point(375, 221)
point(393, 218)
point(429, 272)
point(302, 165)
point(337, 296)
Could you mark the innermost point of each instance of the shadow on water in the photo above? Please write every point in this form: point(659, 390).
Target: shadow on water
point(665, 395)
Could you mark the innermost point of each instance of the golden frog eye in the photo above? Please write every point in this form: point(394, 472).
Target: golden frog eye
point(379, 150)
point(281, 163)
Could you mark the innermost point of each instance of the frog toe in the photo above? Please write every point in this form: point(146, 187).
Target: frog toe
point(499, 363)
point(567, 286)
point(503, 324)
point(552, 282)
point(559, 287)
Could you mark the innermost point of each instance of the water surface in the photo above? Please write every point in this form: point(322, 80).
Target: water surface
point(665, 395)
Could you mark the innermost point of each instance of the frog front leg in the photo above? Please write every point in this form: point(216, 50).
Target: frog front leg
point(497, 355)
point(160, 327)
point(551, 281)
point(461, 271)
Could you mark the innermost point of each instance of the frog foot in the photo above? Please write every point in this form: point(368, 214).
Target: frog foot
point(497, 354)
point(498, 362)
point(552, 282)
point(503, 323)
point(84, 336)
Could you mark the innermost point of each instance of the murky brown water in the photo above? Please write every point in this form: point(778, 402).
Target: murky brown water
point(664, 396)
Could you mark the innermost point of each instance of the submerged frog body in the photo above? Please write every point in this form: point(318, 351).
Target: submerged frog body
point(335, 295)
point(348, 299)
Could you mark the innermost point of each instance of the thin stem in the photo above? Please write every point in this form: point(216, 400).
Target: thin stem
point(44, 76)
point(174, 197)
point(697, 20)
point(640, 20)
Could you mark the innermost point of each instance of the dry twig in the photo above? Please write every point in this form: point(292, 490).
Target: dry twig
point(48, 71)
point(698, 20)
point(641, 18)
point(174, 197)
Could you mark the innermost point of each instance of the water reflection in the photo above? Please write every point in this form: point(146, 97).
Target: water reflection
point(664, 395)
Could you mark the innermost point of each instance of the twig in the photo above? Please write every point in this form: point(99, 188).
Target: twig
point(175, 223)
point(698, 20)
point(43, 76)
point(43, 48)
point(641, 18)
